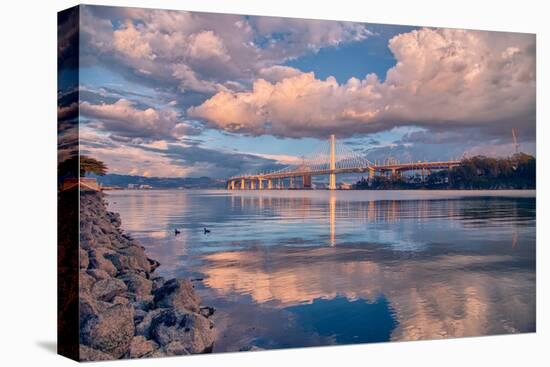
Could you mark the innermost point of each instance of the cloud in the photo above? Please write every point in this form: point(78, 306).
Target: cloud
point(277, 73)
point(205, 45)
point(443, 78)
point(128, 41)
point(122, 118)
point(199, 51)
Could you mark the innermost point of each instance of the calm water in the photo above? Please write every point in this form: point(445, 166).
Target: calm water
point(305, 268)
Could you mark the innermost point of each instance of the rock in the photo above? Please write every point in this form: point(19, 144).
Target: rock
point(192, 330)
point(153, 264)
point(88, 308)
point(107, 289)
point(134, 258)
point(85, 282)
point(98, 274)
point(88, 354)
point(139, 315)
point(207, 311)
point(118, 300)
point(141, 347)
point(125, 310)
point(144, 327)
point(145, 303)
point(250, 348)
point(111, 332)
point(176, 348)
point(137, 284)
point(114, 219)
point(158, 282)
point(177, 293)
point(83, 258)
point(98, 260)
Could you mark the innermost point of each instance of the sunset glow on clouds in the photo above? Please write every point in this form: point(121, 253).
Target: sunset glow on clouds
point(438, 72)
point(164, 87)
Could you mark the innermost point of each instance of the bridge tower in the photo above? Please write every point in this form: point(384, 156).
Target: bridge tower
point(332, 175)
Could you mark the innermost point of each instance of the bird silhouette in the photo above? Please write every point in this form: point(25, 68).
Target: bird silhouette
point(176, 232)
point(206, 231)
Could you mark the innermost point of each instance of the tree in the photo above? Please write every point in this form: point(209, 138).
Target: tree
point(91, 165)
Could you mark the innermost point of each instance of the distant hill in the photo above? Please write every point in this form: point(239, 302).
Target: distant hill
point(112, 179)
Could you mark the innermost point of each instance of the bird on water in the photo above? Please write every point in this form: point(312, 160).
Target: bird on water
point(176, 232)
point(206, 231)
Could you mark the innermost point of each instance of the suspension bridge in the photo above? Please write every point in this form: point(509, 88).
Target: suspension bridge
point(330, 159)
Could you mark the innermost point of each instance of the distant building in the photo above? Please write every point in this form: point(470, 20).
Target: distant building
point(345, 186)
point(132, 186)
point(145, 187)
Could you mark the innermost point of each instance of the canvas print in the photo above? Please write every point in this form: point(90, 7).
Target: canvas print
point(242, 183)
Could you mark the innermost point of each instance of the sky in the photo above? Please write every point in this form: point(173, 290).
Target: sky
point(185, 94)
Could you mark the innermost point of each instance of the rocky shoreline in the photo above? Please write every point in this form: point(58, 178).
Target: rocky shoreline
point(126, 310)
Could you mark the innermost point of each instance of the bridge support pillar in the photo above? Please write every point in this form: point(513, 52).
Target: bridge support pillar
point(260, 183)
point(332, 175)
point(269, 184)
point(252, 184)
point(279, 184)
point(371, 174)
point(306, 182)
point(242, 184)
point(291, 182)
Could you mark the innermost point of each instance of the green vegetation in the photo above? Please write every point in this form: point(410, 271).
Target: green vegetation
point(91, 165)
point(84, 165)
point(480, 172)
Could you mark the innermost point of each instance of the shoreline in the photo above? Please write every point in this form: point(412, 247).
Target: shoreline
point(126, 309)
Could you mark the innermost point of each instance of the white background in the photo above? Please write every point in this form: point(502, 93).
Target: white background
point(28, 181)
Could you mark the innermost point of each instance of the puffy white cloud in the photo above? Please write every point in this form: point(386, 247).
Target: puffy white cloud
point(205, 45)
point(128, 41)
point(123, 118)
point(277, 73)
point(442, 78)
point(216, 49)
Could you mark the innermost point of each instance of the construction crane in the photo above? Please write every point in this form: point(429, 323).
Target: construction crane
point(515, 139)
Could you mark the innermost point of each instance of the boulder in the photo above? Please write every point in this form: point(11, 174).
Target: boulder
point(177, 293)
point(83, 258)
point(141, 347)
point(85, 282)
point(119, 300)
point(207, 311)
point(98, 274)
point(111, 331)
point(107, 289)
point(192, 330)
point(88, 308)
point(98, 260)
point(134, 258)
point(114, 218)
point(144, 327)
point(176, 348)
point(137, 284)
point(153, 264)
point(88, 354)
point(146, 303)
point(139, 315)
point(158, 282)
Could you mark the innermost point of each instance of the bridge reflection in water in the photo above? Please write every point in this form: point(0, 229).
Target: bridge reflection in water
point(330, 159)
point(303, 268)
point(431, 260)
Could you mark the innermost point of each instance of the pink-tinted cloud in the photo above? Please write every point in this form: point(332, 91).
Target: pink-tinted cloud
point(201, 51)
point(442, 77)
point(125, 119)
